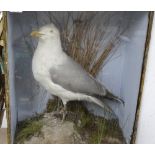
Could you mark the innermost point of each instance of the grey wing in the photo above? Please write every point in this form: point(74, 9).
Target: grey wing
point(71, 76)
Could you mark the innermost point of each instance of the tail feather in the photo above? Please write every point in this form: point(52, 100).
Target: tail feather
point(103, 105)
point(110, 96)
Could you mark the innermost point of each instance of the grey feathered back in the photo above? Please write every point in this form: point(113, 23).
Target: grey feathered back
point(71, 76)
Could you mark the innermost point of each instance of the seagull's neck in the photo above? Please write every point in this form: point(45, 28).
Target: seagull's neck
point(50, 45)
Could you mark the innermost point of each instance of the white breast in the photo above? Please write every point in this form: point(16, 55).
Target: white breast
point(45, 59)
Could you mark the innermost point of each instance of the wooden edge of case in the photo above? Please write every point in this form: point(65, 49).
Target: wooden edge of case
point(142, 80)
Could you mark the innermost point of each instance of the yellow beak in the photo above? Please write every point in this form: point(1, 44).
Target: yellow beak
point(36, 34)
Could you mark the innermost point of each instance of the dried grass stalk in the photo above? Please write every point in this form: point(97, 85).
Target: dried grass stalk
point(82, 38)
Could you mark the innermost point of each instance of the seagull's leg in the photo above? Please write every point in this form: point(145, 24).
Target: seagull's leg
point(64, 110)
point(64, 113)
point(59, 104)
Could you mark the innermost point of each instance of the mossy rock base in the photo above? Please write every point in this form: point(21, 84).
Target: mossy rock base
point(80, 126)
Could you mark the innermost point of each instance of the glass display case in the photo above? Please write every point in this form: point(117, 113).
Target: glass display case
point(110, 46)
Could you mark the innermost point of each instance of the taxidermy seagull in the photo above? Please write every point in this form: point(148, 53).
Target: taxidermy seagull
point(61, 76)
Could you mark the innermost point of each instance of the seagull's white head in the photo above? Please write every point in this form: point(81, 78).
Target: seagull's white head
point(49, 31)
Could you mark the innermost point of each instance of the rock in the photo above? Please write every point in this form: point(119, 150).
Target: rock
point(56, 132)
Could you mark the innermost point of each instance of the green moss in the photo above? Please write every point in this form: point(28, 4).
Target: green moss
point(93, 128)
point(28, 128)
point(53, 105)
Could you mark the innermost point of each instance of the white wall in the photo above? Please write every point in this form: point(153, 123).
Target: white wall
point(146, 123)
point(0, 15)
point(4, 121)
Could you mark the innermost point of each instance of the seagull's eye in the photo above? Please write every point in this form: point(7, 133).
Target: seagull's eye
point(51, 30)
